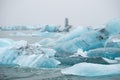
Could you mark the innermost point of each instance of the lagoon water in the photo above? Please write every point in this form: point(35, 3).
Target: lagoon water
point(8, 72)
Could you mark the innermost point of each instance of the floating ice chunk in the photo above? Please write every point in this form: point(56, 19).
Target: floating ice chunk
point(110, 61)
point(79, 59)
point(8, 56)
point(113, 27)
point(28, 55)
point(89, 69)
point(110, 53)
point(50, 28)
point(37, 61)
point(74, 33)
point(4, 42)
point(113, 41)
point(87, 41)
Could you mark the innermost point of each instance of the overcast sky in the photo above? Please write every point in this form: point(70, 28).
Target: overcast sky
point(79, 12)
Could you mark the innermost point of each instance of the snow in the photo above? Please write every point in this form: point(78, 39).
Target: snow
point(90, 69)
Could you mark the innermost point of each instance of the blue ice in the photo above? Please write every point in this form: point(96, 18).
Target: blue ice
point(90, 69)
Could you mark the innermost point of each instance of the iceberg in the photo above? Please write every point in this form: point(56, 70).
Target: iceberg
point(28, 55)
point(90, 69)
point(113, 41)
point(79, 59)
point(50, 28)
point(87, 41)
point(74, 33)
point(110, 53)
point(4, 42)
point(113, 27)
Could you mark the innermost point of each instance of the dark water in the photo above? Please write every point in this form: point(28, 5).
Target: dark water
point(16, 73)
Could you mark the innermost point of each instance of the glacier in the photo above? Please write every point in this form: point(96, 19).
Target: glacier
point(90, 69)
point(28, 55)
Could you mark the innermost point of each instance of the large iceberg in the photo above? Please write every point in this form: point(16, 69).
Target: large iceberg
point(86, 40)
point(90, 69)
point(90, 40)
point(28, 55)
point(113, 41)
point(4, 42)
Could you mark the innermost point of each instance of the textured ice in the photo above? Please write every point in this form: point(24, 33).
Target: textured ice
point(45, 41)
point(110, 53)
point(113, 27)
point(87, 41)
point(28, 55)
point(74, 33)
point(113, 41)
point(6, 42)
point(89, 69)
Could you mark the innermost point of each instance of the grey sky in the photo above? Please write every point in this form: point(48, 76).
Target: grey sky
point(79, 12)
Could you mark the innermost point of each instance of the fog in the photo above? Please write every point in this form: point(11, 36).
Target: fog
point(79, 12)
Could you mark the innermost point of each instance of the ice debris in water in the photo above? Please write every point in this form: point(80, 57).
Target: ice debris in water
point(113, 41)
point(4, 42)
point(90, 69)
point(50, 28)
point(29, 55)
